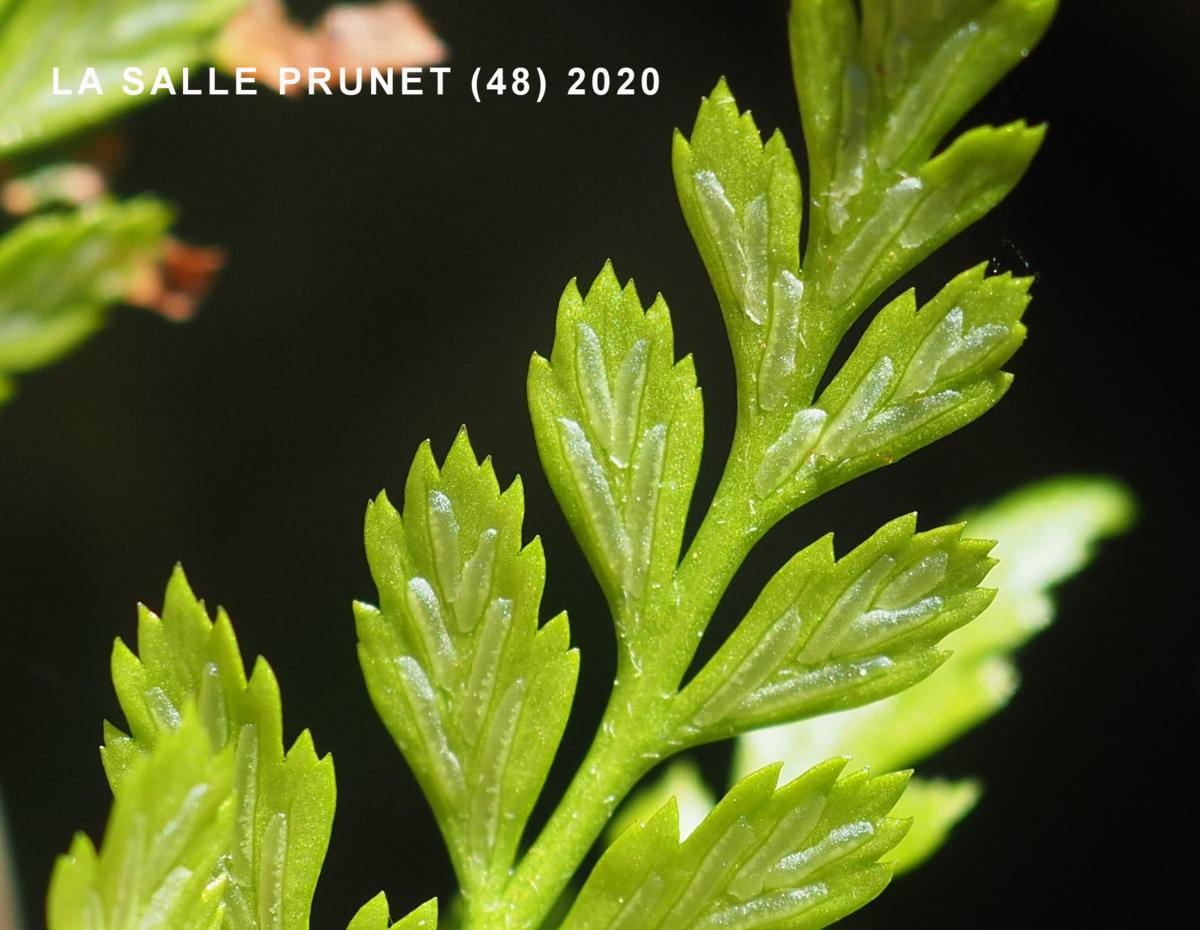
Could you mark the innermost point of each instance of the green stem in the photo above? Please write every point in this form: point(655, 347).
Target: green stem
point(732, 526)
point(620, 755)
point(624, 750)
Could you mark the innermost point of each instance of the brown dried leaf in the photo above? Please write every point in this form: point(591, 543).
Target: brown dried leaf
point(388, 34)
point(182, 277)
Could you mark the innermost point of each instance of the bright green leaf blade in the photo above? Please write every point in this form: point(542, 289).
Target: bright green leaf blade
point(682, 783)
point(900, 730)
point(914, 378)
point(159, 867)
point(1047, 532)
point(876, 101)
point(60, 273)
point(424, 917)
point(830, 87)
point(742, 203)
point(107, 35)
point(930, 61)
point(934, 807)
point(920, 212)
point(829, 634)
point(374, 916)
point(801, 856)
point(473, 692)
point(285, 802)
point(619, 426)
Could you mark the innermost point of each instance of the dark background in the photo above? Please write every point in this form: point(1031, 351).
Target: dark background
point(393, 263)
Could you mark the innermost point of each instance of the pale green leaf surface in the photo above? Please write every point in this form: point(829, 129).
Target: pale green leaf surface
point(1047, 531)
point(473, 692)
point(374, 916)
point(619, 426)
point(800, 856)
point(876, 100)
point(60, 273)
point(284, 802)
point(108, 35)
point(827, 634)
point(913, 378)
point(934, 807)
point(900, 730)
point(160, 865)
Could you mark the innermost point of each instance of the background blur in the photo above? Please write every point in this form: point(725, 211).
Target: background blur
point(393, 263)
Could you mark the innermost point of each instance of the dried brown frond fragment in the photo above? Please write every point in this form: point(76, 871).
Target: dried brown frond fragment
point(177, 282)
point(392, 34)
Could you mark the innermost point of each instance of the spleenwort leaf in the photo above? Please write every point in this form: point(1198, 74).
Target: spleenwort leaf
point(284, 803)
point(911, 381)
point(828, 634)
point(619, 425)
point(474, 693)
point(1047, 532)
point(59, 274)
point(876, 99)
point(933, 806)
point(913, 378)
point(742, 202)
point(108, 35)
point(160, 866)
point(800, 856)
